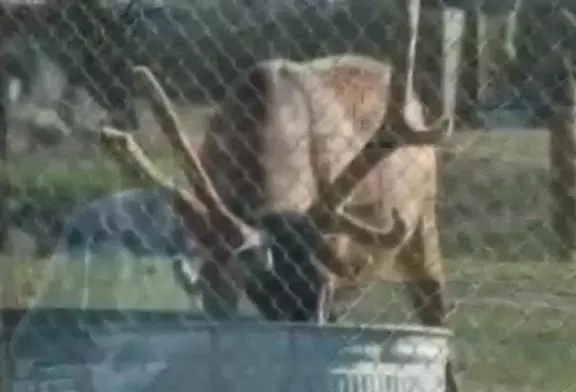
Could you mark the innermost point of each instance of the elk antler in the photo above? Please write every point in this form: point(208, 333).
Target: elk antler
point(325, 209)
point(170, 125)
point(409, 127)
point(132, 160)
point(398, 126)
point(411, 133)
point(126, 152)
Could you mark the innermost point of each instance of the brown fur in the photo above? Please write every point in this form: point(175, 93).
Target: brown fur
point(286, 129)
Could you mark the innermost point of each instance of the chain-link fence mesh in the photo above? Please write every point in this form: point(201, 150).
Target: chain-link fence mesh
point(106, 263)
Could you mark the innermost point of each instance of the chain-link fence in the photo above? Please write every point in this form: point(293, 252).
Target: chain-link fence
point(261, 195)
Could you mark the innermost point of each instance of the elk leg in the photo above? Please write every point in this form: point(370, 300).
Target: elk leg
point(421, 264)
point(325, 303)
point(220, 297)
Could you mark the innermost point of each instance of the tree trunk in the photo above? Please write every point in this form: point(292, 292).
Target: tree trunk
point(429, 60)
point(469, 72)
point(4, 223)
point(562, 150)
point(406, 40)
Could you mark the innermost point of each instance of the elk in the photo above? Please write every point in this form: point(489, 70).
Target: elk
point(218, 224)
point(342, 135)
point(270, 152)
point(283, 135)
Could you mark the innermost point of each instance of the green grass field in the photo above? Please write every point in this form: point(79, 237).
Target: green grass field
point(515, 324)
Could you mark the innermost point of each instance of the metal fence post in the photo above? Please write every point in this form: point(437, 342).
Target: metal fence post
point(562, 150)
point(556, 83)
point(469, 72)
point(3, 162)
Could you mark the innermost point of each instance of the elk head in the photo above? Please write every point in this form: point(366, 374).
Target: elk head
point(221, 233)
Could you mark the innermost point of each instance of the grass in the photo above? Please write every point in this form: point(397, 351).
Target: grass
point(500, 344)
point(515, 322)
